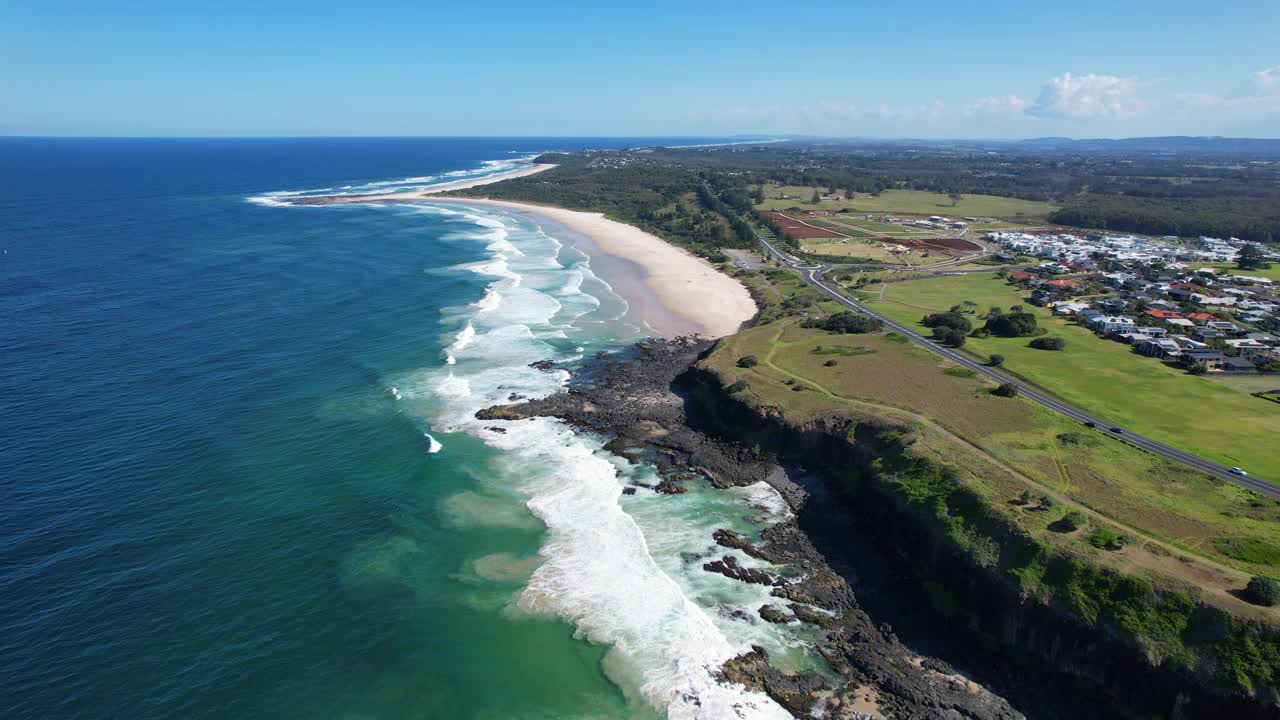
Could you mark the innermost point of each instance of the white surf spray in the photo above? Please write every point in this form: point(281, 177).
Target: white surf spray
point(433, 445)
point(596, 568)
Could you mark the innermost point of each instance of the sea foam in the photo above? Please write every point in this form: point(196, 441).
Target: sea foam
point(596, 569)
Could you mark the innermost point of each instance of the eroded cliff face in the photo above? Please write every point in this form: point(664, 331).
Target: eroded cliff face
point(867, 561)
point(985, 617)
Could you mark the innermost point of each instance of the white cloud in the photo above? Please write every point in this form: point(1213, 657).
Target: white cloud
point(1007, 106)
point(1088, 96)
point(1267, 81)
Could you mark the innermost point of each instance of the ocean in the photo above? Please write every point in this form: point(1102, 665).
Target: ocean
point(242, 474)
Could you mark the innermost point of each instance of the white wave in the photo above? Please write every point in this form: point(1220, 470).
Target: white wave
point(433, 445)
point(596, 571)
point(490, 302)
point(394, 393)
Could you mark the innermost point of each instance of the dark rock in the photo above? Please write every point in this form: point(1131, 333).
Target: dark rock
point(628, 491)
point(502, 412)
point(544, 365)
point(728, 566)
point(670, 487)
point(513, 397)
point(772, 614)
point(499, 430)
point(730, 539)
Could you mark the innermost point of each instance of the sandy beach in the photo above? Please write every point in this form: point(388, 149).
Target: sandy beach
point(686, 285)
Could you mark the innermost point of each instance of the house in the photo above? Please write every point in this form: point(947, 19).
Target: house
point(1063, 285)
point(1211, 359)
point(1162, 315)
point(1199, 317)
point(1110, 324)
point(1159, 348)
point(1069, 308)
point(1180, 323)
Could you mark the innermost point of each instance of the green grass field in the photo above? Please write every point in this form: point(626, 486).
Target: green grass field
point(1142, 394)
point(911, 202)
point(1008, 446)
point(1271, 273)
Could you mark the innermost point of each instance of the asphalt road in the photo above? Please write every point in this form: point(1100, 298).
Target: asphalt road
point(815, 275)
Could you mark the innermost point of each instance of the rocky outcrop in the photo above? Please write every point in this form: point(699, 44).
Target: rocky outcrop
point(728, 566)
point(638, 399)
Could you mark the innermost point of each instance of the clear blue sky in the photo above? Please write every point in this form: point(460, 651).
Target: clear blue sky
point(924, 69)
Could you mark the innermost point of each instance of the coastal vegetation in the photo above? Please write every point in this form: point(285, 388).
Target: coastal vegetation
point(1094, 528)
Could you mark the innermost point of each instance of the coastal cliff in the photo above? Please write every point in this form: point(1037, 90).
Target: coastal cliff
point(870, 557)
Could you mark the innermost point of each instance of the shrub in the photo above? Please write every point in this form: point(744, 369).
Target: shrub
point(1104, 538)
point(738, 386)
point(1263, 591)
point(996, 360)
point(1045, 502)
point(963, 372)
point(1048, 343)
point(830, 363)
point(1074, 520)
point(1006, 390)
point(748, 361)
point(1024, 497)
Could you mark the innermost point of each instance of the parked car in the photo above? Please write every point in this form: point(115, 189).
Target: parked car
point(1238, 471)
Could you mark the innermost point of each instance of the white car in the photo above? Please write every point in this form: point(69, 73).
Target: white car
point(1238, 471)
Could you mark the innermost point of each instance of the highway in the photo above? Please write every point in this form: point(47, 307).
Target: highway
point(815, 275)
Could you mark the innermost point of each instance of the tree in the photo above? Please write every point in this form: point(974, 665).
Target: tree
point(1263, 591)
point(1006, 390)
point(948, 336)
point(955, 198)
point(1048, 343)
point(748, 361)
point(815, 198)
point(953, 320)
point(759, 194)
point(1198, 369)
point(1251, 257)
point(996, 360)
point(1012, 324)
point(846, 322)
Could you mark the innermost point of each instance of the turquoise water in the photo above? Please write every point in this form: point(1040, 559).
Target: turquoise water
point(243, 474)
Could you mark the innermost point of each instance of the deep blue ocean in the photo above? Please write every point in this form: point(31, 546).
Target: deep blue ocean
point(239, 472)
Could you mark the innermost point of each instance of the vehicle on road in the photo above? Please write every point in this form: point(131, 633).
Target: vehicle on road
point(1091, 424)
point(1116, 430)
point(1238, 471)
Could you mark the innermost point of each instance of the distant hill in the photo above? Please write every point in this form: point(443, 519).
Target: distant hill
point(1169, 144)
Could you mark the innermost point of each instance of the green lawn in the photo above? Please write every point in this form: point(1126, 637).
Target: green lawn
point(914, 202)
point(1271, 273)
point(1004, 444)
point(1198, 414)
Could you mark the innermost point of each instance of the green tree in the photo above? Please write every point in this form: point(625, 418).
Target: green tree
point(748, 361)
point(815, 198)
point(955, 198)
point(1074, 520)
point(1006, 390)
point(1251, 257)
point(996, 360)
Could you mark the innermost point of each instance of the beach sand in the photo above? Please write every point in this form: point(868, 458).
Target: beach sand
point(700, 298)
point(686, 285)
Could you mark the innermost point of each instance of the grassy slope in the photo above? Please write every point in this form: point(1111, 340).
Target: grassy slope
point(915, 202)
point(1109, 379)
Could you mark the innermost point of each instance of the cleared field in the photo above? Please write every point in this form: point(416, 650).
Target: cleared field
point(1107, 378)
point(912, 202)
point(874, 250)
point(1009, 445)
point(800, 230)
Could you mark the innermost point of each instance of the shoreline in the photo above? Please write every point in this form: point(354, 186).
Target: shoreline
point(687, 287)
